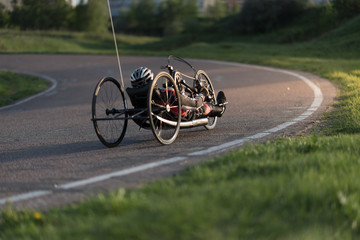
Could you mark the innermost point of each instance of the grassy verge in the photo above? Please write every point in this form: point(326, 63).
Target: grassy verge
point(302, 188)
point(13, 41)
point(17, 86)
point(14, 86)
point(296, 188)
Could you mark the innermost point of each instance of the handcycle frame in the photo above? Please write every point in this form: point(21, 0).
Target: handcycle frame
point(157, 106)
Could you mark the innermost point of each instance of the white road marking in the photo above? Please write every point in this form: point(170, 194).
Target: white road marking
point(47, 91)
point(318, 99)
point(25, 196)
point(120, 173)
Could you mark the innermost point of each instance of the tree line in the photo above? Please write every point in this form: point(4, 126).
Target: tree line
point(144, 16)
point(170, 17)
point(55, 15)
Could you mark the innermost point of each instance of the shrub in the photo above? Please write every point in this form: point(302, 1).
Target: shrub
point(142, 18)
point(347, 8)
point(4, 16)
point(41, 15)
point(151, 18)
point(218, 10)
point(91, 17)
point(265, 15)
point(173, 14)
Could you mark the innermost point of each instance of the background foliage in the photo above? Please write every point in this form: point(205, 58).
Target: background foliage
point(174, 17)
point(41, 15)
point(347, 8)
point(55, 15)
point(147, 17)
point(90, 17)
point(264, 15)
point(4, 16)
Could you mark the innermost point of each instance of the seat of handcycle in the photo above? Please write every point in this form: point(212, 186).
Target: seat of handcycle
point(138, 96)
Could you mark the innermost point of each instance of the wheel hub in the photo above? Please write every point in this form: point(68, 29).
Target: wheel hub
point(167, 107)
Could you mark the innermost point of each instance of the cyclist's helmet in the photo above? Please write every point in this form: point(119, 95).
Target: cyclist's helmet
point(141, 76)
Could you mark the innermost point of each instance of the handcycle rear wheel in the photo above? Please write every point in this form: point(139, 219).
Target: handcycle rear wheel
point(109, 113)
point(205, 81)
point(164, 108)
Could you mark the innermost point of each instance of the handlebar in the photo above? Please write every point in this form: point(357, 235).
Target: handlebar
point(181, 60)
point(171, 70)
point(168, 67)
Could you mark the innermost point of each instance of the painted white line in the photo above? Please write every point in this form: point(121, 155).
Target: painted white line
point(24, 196)
point(47, 78)
point(220, 147)
point(120, 173)
point(318, 98)
point(40, 193)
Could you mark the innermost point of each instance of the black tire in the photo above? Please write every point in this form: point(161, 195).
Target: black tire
point(205, 81)
point(164, 105)
point(109, 113)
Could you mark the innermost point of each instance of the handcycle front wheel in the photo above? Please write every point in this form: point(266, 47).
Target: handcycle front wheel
point(164, 108)
point(109, 113)
point(205, 81)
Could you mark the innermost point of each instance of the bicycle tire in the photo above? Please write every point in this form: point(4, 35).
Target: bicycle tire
point(202, 77)
point(164, 108)
point(108, 101)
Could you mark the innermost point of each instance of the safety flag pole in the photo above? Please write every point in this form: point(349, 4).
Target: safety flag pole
point(116, 46)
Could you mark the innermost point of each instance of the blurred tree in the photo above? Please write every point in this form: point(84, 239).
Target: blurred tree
point(265, 15)
point(39, 14)
point(143, 18)
point(98, 17)
point(172, 10)
point(150, 18)
point(91, 16)
point(219, 10)
point(4, 16)
point(79, 19)
point(347, 8)
point(173, 13)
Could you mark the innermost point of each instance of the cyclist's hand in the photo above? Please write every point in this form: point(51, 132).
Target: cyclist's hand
point(204, 91)
point(168, 67)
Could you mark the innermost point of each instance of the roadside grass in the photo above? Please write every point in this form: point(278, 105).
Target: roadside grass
point(58, 42)
point(15, 86)
point(341, 68)
point(292, 188)
point(302, 188)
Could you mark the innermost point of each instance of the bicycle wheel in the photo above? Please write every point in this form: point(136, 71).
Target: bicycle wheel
point(109, 113)
point(164, 108)
point(205, 81)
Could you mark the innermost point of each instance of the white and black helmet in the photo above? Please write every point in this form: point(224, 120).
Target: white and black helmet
point(141, 76)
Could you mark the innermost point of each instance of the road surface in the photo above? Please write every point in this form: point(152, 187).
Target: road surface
point(50, 155)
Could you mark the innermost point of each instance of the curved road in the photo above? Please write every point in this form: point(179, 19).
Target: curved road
point(50, 155)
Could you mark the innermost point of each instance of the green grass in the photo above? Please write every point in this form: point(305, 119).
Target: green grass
point(14, 87)
point(334, 56)
point(17, 86)
point(12, 41)
point(304, 188)
point(293, 188)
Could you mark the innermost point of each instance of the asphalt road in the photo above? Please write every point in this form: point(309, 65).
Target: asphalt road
point(50, 155)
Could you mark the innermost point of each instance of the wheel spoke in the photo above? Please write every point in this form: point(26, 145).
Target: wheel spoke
point(163, 108)
point(107, 98)
point(205, 80)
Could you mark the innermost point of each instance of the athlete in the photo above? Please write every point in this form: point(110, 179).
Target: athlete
point(142, 77)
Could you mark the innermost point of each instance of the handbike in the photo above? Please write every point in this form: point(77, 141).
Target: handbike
point(156, 106)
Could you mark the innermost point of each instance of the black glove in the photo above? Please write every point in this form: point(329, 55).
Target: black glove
point(204, 91)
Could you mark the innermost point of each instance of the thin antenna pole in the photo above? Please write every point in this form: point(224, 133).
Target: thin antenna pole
point(116, 46)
